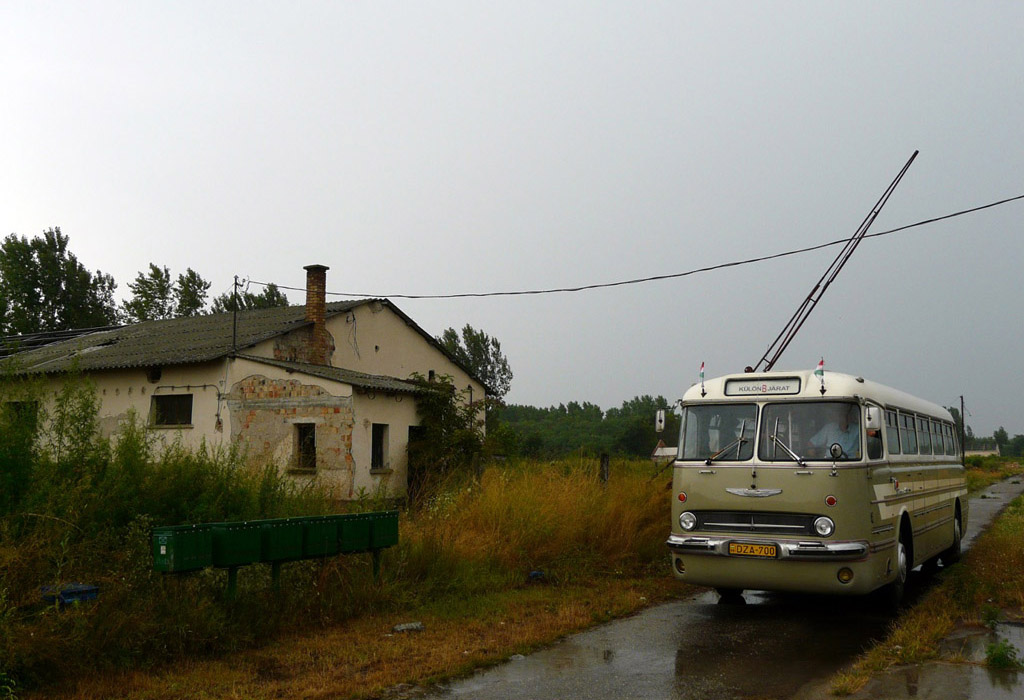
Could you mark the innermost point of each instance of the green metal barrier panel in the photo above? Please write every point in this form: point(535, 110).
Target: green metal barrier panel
point(320, 536)
point(354, 532)
point(182, 548)
point(237, 544)
point(281, 539)
point(383, 529)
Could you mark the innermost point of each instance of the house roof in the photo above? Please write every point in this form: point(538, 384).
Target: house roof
point(368, 382)
point(185, 340)
point(173, 341)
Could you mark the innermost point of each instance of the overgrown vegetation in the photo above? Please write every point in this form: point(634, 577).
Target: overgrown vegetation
point(984, 587)
point(545, 433)
point(86, 505)
point(983, 471)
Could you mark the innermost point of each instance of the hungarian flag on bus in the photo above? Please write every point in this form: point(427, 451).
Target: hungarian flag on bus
point(820, 371)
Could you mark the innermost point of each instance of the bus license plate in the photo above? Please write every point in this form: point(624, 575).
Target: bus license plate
point(744, 549)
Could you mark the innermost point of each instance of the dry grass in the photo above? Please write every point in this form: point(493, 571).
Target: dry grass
point(363, 658)
point(462, 567)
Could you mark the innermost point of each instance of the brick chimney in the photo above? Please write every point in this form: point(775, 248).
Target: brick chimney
point(316, 311)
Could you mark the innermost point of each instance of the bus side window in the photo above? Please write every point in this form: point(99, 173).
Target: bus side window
point(937, 445)
point(924, 441)
point(908, 436)
point(892, 433)
point(874, 444)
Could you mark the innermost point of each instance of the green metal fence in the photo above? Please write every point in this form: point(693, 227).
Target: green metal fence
point(184, 548)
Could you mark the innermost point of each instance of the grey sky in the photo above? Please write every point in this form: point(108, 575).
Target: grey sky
point(447, 147)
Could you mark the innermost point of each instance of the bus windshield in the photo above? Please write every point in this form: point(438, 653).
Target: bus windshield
point(797, 431)
point(718, 432)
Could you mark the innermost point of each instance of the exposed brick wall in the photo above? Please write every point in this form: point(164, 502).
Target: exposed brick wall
point(302, 346)
point(263, 416)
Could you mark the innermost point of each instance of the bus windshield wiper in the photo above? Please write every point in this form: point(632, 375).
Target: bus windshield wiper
point(778, 441)
point(737, 443)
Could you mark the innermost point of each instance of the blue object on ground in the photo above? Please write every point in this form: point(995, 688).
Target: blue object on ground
point(70, 593)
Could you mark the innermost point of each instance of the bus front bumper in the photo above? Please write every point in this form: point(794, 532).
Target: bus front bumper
point(807, 550)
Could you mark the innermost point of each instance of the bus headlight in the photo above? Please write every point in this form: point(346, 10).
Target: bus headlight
point(824, 526)
point(687, 520)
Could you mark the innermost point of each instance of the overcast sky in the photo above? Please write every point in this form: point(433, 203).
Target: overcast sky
point(468, 147)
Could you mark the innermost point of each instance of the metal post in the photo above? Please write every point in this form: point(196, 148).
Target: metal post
point(232, 582)
point(605, 468)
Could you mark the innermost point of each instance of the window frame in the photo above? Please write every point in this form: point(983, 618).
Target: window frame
point(380, 435)
point(305, 447)
point(173, 416)
point(892, 432)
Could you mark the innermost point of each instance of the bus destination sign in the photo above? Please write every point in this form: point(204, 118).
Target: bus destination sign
point(762, 387)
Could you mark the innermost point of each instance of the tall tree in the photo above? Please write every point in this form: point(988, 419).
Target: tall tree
point(155, 297)
point(480, 354)
point(43, 287)
point(190, 293)
point(152, 296)
point(271, 297)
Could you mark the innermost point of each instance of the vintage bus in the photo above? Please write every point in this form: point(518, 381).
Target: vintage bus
point(813, 481)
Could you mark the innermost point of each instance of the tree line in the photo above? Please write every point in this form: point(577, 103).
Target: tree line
point(43, 287)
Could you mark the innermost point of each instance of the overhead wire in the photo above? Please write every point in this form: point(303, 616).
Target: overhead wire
point(657, 278)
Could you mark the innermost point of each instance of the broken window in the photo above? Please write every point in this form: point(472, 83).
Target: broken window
point(305, 453)
point(379, 447)
point(166, 410)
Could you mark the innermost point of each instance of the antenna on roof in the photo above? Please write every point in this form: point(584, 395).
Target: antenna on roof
point(789, 331)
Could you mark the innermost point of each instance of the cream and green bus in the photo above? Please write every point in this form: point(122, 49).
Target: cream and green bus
point(813, 482)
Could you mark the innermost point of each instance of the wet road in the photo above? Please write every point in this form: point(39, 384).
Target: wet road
point(772, 646)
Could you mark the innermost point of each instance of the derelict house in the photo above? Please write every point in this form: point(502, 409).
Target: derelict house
point(322, 390)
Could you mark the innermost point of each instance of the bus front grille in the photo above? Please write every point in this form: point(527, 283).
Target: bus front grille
point(756, 522)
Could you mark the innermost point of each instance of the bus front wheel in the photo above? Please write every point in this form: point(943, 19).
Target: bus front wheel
point(897, 587)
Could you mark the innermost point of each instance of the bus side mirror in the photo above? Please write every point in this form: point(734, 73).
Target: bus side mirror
point(873, 418)
point(659, 421)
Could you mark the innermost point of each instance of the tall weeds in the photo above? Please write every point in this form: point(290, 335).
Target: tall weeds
point(83, 507)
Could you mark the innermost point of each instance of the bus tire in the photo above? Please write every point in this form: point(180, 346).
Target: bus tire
point(895, 589)
point(952, 555)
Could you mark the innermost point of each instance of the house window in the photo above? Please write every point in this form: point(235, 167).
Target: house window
point(305, 450)
point(21, 414)
point(167, 410)
point(379, 447)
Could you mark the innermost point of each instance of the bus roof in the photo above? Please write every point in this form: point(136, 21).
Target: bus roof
point(805, 384)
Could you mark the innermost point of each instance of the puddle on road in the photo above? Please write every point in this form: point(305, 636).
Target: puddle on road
point(959, 681)
point(774, 645)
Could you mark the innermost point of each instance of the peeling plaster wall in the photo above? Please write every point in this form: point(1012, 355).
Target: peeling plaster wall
point(121, 392)
point(398, 412)
point(264, 412)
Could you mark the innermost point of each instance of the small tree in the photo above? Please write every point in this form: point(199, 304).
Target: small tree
point(190, 294)
point(449, 438)
point(480, 354)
